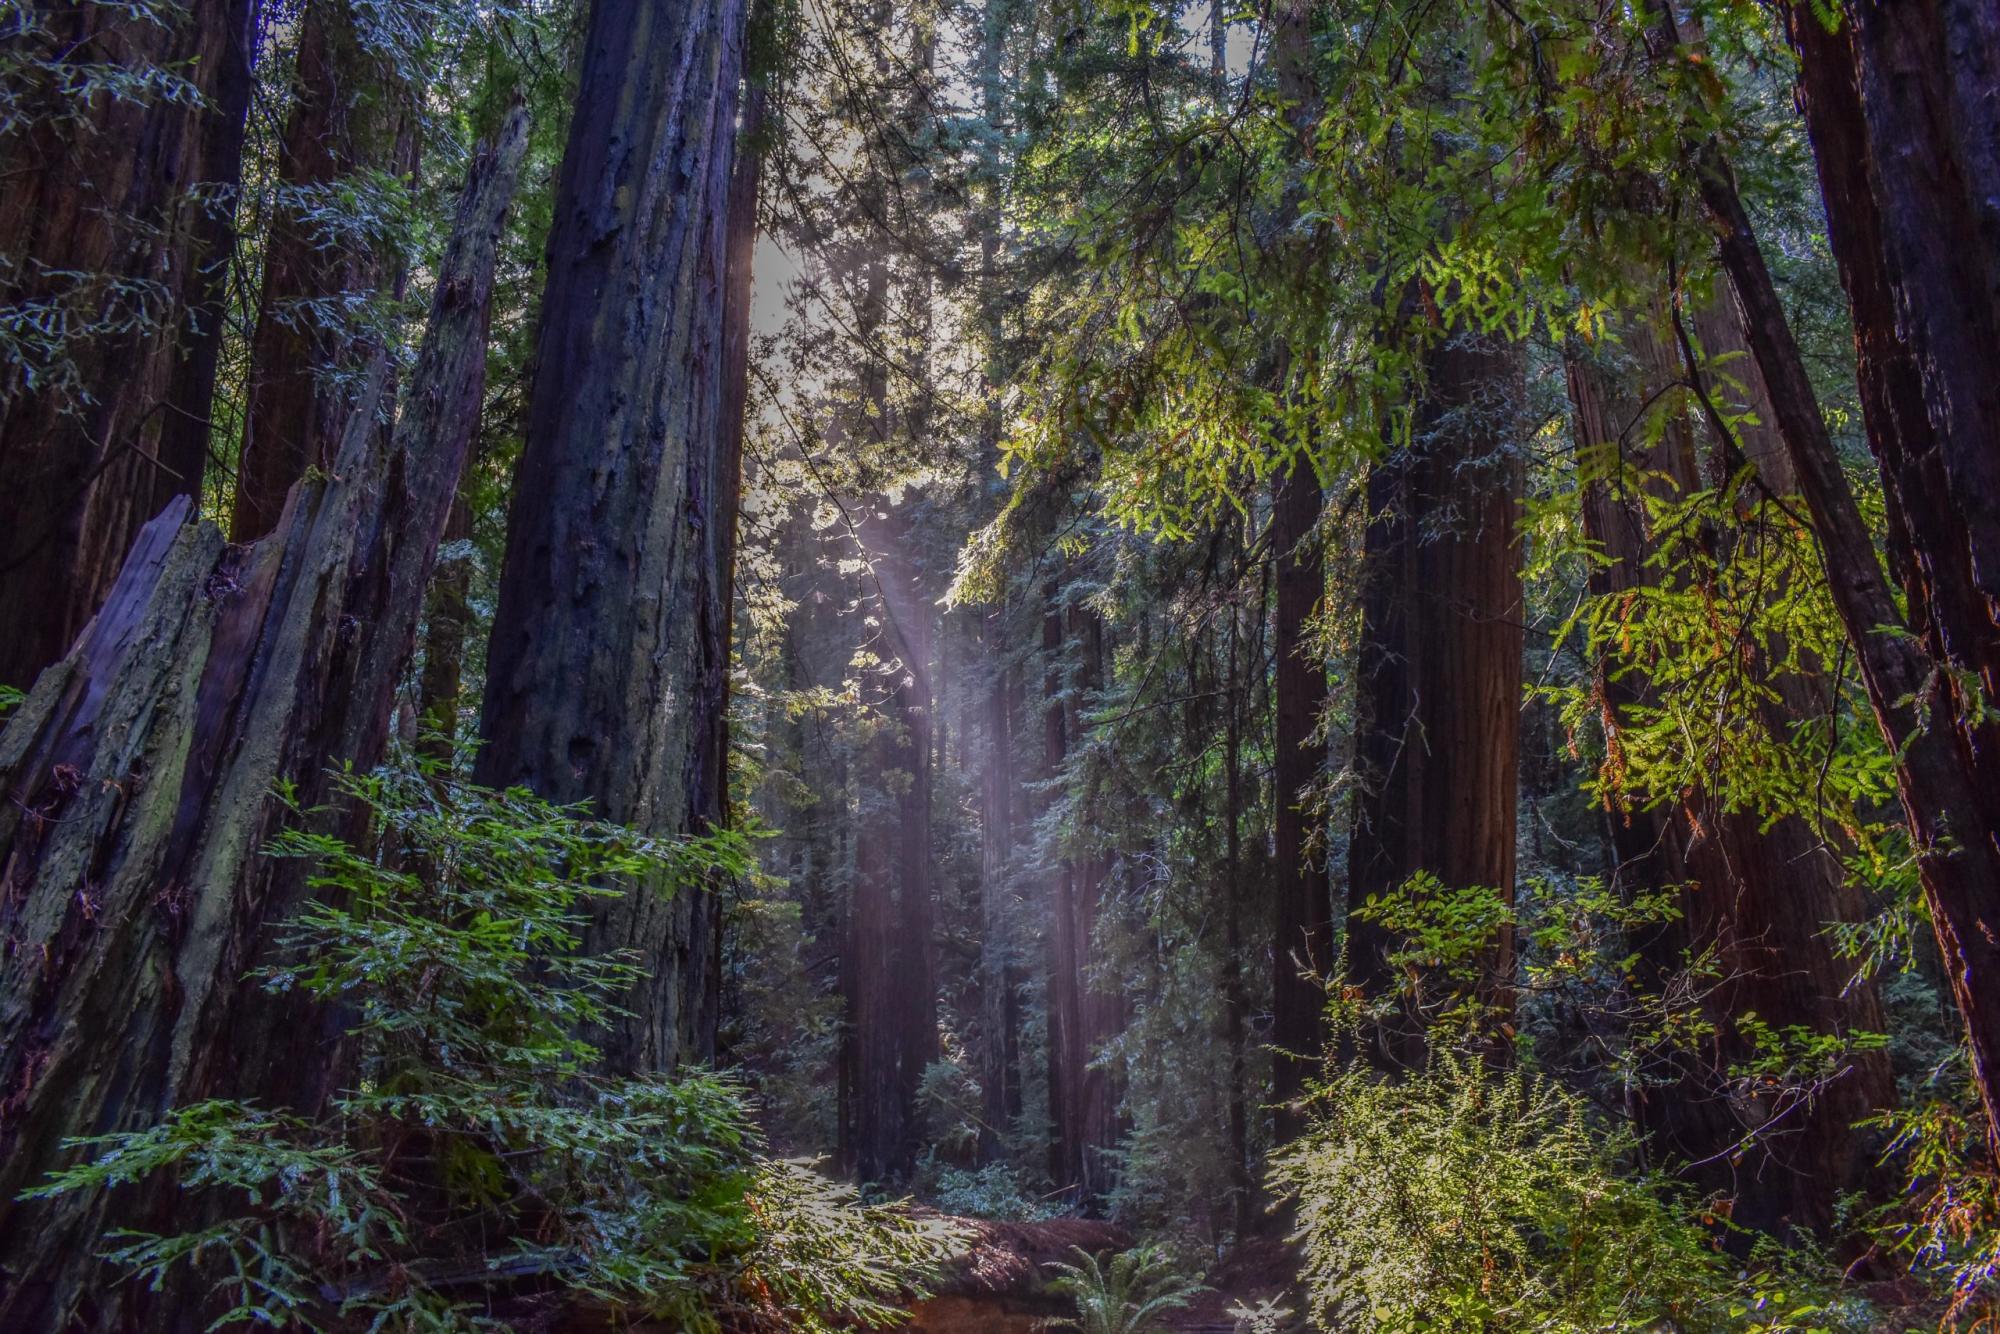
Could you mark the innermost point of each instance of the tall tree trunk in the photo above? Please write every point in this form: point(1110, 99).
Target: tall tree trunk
point(143, 766)
point(607, 669)
point(891, 972)
point(1100, 1011)
point(1302, 906)
point(118, 215)
point(353, 113)
point(1062, 958)
point(1440, 663)
point(447, 620)
point(1759, 895)
point(999, 1015)
point(1924, 405)
point(1235, 994)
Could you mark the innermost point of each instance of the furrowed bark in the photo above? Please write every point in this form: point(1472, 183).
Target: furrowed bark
point(116, 211)
point(1302, 906)
point(1927, 678)
point(1761, 897)
point(1440, 663)
point(1302, 903)
point(140, 777)
point(607, 667)
point(354, 112)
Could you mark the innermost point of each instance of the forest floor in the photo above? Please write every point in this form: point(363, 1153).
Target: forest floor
point(999, 1287)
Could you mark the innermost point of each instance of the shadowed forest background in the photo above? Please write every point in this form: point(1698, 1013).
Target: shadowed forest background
point(807, 664)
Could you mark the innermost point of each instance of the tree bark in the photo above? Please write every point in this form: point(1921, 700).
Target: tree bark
point(353, 112)
point(140, 776)
point(1062, 958)
point(447, 621)
point(1302, 906)
point(1302, 901)
point(1440, 663)
point(118, 213)
point(1759, 895)
point(1235, 994)
point(1927, 678)
point(999, 1011)
point(607, 667)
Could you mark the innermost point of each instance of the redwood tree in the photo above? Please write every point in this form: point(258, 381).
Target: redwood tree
point(1755, 895)
point(1907, 163)
point(353, 116)
point(1440, 662)
point(1302, 904)
point(115, 231)
point(606, 671)
point(141, 775)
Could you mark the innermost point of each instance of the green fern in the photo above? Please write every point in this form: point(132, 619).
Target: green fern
point(1129, 1295)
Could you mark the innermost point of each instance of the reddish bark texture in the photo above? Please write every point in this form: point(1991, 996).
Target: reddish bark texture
point(1302, 900)
point(1898, 103)
point(353, 112)
point(118, 211)
point(140, 775)
point(1440, 661)
point(1760, 898)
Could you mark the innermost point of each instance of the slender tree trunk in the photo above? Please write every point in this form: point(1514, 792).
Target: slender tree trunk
point(607, 670)
point(1235, 995)
point(116, 213)
point(1759, 895)
point(150, 754)
point(1063, 958)
point(447, 619)
point(353, 113)
point(1302, 907)
point(998, 1009)
point(1100, 1011)
point(1440, 663)
point(1923, 407)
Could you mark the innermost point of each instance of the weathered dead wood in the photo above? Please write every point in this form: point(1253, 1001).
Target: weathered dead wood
point(139, 779)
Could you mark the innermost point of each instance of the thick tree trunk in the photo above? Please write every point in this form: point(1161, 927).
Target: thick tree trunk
point(1759, 896)
point(1929, 413)
point(1302, 900)
point(1302, 905)
point(607, 668)
point(1440, 663)
point(143, 768)
point(353, 113)
point(891, 971)
point(117, 214)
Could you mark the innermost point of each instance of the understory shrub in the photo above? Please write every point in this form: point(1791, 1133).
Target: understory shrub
point(1456, 1198)
point(479, 1166)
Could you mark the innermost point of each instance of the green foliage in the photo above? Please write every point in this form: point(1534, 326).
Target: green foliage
point(1460, 1199)
point(481, 1150)
point(1947, 1224)
point(996, 1190)
point(1129, 1294)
